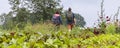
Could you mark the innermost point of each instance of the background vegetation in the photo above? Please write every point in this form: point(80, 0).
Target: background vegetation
point(28, 25)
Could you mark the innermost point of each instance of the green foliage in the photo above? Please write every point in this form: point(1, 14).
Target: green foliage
point(22, 16)
point(111, 28)
point(32, 11)
point(43, 36)
point(79, 20)
point(102, 27)
point(8, 24)
point(103, 40)
point(2, 18)
point(44, 9)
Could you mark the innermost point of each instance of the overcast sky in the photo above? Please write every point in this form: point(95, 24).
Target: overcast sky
point(87, 8)
point(4, 6)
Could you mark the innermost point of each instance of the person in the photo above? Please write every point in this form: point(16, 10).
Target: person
point(57, 20)
point(70, 18)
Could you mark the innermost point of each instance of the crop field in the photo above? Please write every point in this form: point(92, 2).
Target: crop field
point(47, 36)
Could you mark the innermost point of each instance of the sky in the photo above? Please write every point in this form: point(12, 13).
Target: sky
point(87, 8)
point(4, 6)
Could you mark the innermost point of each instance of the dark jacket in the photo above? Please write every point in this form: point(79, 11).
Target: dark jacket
point(70, 21)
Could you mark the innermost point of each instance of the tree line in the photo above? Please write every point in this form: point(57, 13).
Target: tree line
point(34, 11)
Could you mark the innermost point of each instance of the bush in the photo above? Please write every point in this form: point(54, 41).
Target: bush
point(110, 28)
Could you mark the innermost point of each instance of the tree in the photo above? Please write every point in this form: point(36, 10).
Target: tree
point(40, 10)
point(8, 23)
point(22, 15)
point(2, 18)
point(79, 20)
point(19, 12)
point(44, 9)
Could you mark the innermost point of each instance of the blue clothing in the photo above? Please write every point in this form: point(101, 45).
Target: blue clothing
point(60, 19)
point(57, 19)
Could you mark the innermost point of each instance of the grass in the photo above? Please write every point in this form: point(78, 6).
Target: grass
point(45, 36)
